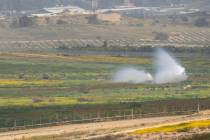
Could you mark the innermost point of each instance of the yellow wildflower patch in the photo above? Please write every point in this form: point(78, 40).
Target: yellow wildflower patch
point(14, 82)
point(83, 58)
point(174, 128)
point(29, 101)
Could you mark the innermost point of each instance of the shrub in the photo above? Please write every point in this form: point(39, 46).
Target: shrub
point(61, 22)
point(184, 19)
point(160, 36)
point(23, 21)
point(45, 76)
point(93, 19)
point(37, 100)
point(21, 76)
point(201, 22)
point(51, 100)
point(105, 44)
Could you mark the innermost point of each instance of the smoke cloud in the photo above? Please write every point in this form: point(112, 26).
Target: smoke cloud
point(132, 75)
point(167, 70)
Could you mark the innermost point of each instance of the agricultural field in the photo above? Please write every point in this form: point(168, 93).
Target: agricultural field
point(58, 73)
point(53, 86)
point(134, 32)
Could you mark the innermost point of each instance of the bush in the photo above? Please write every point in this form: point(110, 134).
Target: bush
point(61, 22)
point(185, 19)
point(37, 100)
point(45, 76)
point(201, 22)
point(51, 100)
point(21, 76)
point(105, 44)
point(23, 21)
point(161, 36)
point(93, 19)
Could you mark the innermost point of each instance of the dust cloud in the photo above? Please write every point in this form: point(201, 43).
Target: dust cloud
point(167, 70)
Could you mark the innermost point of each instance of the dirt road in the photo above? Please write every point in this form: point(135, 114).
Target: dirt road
point(84, 131)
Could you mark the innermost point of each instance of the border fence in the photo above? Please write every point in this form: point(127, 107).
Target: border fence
point(88, 118)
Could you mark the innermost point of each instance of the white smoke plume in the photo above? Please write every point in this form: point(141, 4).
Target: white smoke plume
point(167, 70)
point(132, 75)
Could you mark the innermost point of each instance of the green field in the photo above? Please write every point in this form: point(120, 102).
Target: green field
point(42, 85)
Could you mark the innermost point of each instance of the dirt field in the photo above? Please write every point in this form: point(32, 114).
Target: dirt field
point(97, 130)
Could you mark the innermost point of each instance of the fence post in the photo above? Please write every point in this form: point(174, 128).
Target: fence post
point(132, 114)
point(165, 109)
point(40, 121)
point(198, 108)
point(57, 117)
point(107, 115)
point(32, 123)
point(15, 123)
point(24, 124)
point(98, 115)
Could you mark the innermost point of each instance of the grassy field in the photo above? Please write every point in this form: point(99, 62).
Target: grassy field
point(35, 85)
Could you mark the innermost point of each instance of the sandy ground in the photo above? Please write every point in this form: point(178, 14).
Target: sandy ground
point(100, 129)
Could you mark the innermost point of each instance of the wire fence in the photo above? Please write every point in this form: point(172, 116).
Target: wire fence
point(98, 117)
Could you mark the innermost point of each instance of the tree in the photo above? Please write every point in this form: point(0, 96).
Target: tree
point(23, 21)
point(61, 22)
point(45, 76)
point(201, 22)
point(161, 36)
point(185, 19)
point(93, 19)
point(105, 44)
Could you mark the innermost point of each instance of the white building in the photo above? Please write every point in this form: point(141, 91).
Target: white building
point(55, 11)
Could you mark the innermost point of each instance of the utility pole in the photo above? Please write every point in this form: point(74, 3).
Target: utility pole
point(94, 4)
point(132, 113)
point(60, 3)
point(127, 2)
point(15, 124)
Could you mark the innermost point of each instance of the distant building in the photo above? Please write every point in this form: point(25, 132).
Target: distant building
point(55, 11)
point(42, 13)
